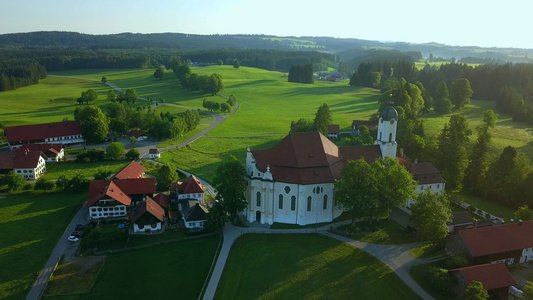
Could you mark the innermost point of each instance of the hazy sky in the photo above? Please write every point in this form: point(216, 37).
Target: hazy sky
point(452, 22)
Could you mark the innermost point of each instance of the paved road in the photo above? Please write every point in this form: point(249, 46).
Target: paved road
point(63, 247)
point(397, 257)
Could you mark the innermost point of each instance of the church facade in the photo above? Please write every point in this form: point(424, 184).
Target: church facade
point(293, 182)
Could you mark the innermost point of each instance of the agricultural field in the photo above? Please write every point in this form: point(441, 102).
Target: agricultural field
point(305, 267)
point(31, 225)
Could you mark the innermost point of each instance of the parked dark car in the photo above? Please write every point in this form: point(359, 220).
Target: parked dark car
point(79, 227)
point(77, 234)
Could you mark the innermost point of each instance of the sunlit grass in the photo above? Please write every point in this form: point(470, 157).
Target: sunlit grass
point(305, 267)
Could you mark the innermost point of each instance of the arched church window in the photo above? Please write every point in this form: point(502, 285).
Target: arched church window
point(280, 204)
point(380, 135)
point(309, 199)
point(318, 190)
point(258, 200)
point(390, 137)
point(293, 203)
point(325, 202)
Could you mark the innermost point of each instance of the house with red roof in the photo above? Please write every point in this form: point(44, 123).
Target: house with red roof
point(29, 164)
point(496, 279)
point(67, 132)
point(191, 188)
point(356, 125)
point(53, 152)
point(147, 216)
point(510, 243)
point(333, 131)
point(132, 170)
point(293, 182)
point(139, 136)
point(154, 153)
point(114, 198)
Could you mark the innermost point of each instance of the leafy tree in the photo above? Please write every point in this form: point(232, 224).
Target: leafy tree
point(431, 213)
point(118, 126)
point(225, 107)
point(178, 127)
point(475, 291)
point(220, 62)
point(44, 184)
point(303, 125)
point(236, 63)
point(111, 96)
point(102, 174)
point(443, 105)
point(528, 291)
point(214, 84)
point(322, 119)
point(78, 182)
point(133, 141)
point(115, 150)
point(159, 73)
point(131, 95)
point(104, 79)
point(460, 92)
point(479, 161)
point(94, 124)
point(523, 213)
point(216, 218)
point(132, 154)
point(404, 94)
point(230, 184)
point(192, 118)
point(506, 174)
point(453, 157)
point(231, 100)
point(62, 182)
point(88, 96)
point(166, 176)
point(456, 261)
point(14, 182)
point(440, 279)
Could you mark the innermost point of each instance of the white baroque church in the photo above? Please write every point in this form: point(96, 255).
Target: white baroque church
point(293, 181)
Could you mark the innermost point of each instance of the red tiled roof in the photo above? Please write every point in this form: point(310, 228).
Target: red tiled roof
point(498, 239)
point(425, 173)
point(129, 186)
point(45, 148)
point(42, 131)
point(334, 129)
point(149, 206)
point(133, 170)
point(492, 276)
point(27, 160)
point(135, 133)
point(162, 199)
point(111, 190)
point(153, 151)
point(191, 186)
point(369, 124)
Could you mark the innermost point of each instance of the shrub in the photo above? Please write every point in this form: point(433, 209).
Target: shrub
point(44, 185)
point(440, 279)
point(456, 261)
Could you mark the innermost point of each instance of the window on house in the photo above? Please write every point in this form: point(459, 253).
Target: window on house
point(438, 186)
point(258, 200)
point(309, 199)
point(293, 203)
point(325, 202)
point(280, 204)
point(390, 137)
point(380, 134)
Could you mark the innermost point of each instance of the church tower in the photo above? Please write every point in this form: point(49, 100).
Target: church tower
point(388, 118)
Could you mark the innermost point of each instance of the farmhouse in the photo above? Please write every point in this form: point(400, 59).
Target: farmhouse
point(356, 125)
point(147, 216)
point(293, 181)
point(495, 278)
point(509, 243)
point(68, 132)
point(132, 170)
point(29, 164)
point(333, 132)
point(154, 153)
point(191, 188)
point(53, 152)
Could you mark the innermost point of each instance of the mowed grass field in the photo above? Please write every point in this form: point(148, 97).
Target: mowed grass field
point(306, 266)
point(31, 224)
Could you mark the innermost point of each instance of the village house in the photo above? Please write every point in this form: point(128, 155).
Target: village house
point(334, 132)
point(66, 133)
point(293, 182)
point(154, 153)
point(147, 216)
point(29, 164)
point(132, 170)
point(53, 152)
point(356, 125)
point(495, 278)
point(510, 243)
point(193, 214)
point(191, 188)
point(139, 136)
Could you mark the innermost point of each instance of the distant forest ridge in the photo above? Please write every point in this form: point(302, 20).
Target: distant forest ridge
point(346, 48)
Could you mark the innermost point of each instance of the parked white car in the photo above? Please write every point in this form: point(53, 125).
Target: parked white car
point(73, 239)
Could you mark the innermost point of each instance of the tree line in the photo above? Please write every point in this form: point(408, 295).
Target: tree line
point(301, 74)
point(15, 76)
point(208, 84)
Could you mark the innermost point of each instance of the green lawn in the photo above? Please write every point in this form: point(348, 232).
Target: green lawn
point(31, 224)
point(54, 170)
point(305, 267)
point(173, 271)
point(489, 206)
point(386, 232)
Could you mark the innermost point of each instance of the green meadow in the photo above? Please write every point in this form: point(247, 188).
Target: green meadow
point(306, 266)
point(31, 225)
